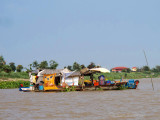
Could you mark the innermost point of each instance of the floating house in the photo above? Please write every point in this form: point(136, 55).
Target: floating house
point(63, 79)
point(56, 79)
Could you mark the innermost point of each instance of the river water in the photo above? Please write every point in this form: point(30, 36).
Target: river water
point(142, 103)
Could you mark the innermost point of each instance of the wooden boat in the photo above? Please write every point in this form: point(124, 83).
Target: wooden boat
point(71, 82)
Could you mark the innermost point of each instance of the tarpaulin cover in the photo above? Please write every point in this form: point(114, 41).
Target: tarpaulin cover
point(70, 81)
point(49, 83)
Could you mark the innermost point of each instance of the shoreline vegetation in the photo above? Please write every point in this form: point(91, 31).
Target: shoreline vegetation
point(13, 84)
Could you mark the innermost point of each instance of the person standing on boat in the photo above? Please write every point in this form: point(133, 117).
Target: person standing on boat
point(125, 75)
point(39, 78)
point(32, 78)
point(91, 77)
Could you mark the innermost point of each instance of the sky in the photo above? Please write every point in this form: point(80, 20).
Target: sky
point(109, 33)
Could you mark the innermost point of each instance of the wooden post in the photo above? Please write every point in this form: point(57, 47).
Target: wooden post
point(82, 81)
point(60, 79)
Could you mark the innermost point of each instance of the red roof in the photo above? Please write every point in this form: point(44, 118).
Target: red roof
point(119, 68)
point(134, 67)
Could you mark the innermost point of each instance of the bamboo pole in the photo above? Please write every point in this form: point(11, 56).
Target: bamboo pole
point(148, 66)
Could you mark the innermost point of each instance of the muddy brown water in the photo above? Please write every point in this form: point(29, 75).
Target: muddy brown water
point(142, 103)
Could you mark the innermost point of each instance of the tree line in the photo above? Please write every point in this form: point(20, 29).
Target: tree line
point(10, 67)
point(53, 65)
point(35, 65)
point(42, 65)
point(144, 69)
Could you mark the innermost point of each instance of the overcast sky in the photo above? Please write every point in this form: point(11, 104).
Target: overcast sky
point(110, 33)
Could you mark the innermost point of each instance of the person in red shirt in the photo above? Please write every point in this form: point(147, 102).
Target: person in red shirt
point(21, 85)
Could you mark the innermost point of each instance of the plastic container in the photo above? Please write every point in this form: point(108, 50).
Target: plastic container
point(40, 87)
point(108, 82)
point(96, 83)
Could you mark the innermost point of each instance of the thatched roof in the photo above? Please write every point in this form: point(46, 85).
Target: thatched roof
point(86, 72)
point(76, 73)
point(35, 71)
point(52, 71)
point(59, 72)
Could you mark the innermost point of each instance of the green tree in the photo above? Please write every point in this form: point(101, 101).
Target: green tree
point(158, 68)
point(30, 67)
point(43, 65)
point(146, 68)
point(154, 70)
point(139, 69)
point(12, 65)
point(91, 65)
point(69, 67)
point(19, 68)
point(126, 70)
point(7, 68)
point(98, 66)
point(2, 62)
point(53, 64)
point(83, 66)
point(76, 66)
point(27, 70)
point(35, 64)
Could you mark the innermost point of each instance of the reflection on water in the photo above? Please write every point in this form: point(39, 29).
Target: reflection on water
point(142, 103)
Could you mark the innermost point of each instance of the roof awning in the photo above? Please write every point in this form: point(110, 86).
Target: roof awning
point(87, 71)
point(103, 70)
